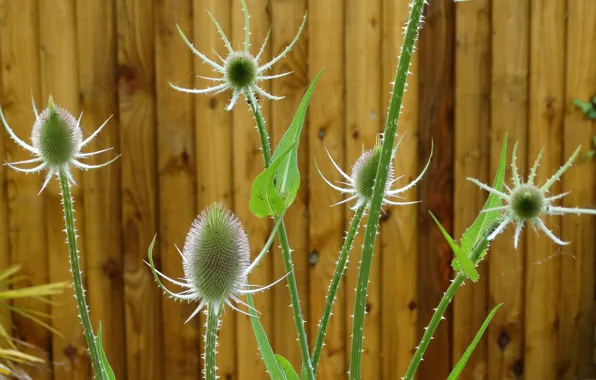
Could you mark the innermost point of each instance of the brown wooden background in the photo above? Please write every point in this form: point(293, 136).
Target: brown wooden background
point(483, 68)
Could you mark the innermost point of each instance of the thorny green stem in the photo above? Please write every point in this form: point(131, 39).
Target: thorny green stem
point(77, 281)
point(307, 368)
point(476, 256)
point(370, 234)
point(211, 341)
point(340, 268)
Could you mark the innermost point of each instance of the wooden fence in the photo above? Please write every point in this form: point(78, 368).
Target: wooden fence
point(483, 69)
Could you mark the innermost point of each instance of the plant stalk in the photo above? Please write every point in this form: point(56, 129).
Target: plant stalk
point(211, 341)
point(340, 268)
point(77, 281)
point(476, 256)
point(307, 368)
point(370, 234)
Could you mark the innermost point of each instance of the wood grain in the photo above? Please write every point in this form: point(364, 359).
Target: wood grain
point(26, 219)
point(399, 225)
point(286, 18)
point(436, 81)
point(326, 115)
point(176, 178)
point(136, 70)
point(546, 111)
point(96, 37)
point(509, 114)
point(471, 159)
point(363, 123)
point(576, 336)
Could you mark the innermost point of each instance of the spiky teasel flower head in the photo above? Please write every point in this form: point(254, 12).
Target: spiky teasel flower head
point(216, 261)
point(526, 202)
point(240, 71)
point(361, 183)
point(57, 141)
point(216, 254)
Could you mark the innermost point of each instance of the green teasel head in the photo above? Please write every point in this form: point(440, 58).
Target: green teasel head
point(364, 172)
point(57, 140)
point(527, 202)
point(240, 70)
point(56, 135)
point(216, 254)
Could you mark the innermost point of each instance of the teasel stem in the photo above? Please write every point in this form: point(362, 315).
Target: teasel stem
point(370, 234)
point(77, 281)
point(456, 283)
point(211, 341)
point(340, 268)
point(307, 368)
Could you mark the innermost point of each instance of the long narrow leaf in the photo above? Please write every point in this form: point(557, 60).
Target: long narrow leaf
point(459, 367)
point(467, 265)
point(288, 173)
point(484, 220)
point(271, 363)
point(106, 369)
point(287, 368)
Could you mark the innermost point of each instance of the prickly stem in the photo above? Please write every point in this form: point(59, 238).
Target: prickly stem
point(335, 282)
point(307, 368)
point(77, 281)
point(410, 36)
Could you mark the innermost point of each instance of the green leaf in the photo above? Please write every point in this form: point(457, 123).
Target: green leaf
point(106, 370)
point(269, 358)
point(466, 263)
point(265, 199)
point(288, 175)
point(459, 367)
point(591, 114)
point(477, 230)
point(286, 367)
point(584, 106)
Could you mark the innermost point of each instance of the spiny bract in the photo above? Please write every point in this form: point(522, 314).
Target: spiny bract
point(215, 259)
point(526, 202)
point(240, 70)
point(57, 142)
point(360, 185)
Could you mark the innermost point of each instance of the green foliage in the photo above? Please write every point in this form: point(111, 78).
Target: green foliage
point(287, 368)
point(106, 370)
point(588, 108)
point(458, 368)
point(269, 358)
point(476, 232)
point(465, 263)
point(265, 199)
point(288, 174)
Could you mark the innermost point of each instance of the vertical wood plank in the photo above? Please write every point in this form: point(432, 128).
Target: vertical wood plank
point(5, 262)
point(576, 341)
point(509, 114)
point(471, 159)
point(175, 168)
point(26, 221)
point(546, 107)
point(326, 131)
point(96, 35)
point(136, 70)
point(248, 163)
point(59, 79)
point(436, 123)
point(286, 20)
point(363, 123)
point(213, 130)
point(399, 226)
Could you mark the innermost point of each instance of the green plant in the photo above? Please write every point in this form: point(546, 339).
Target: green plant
point(57, 143)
